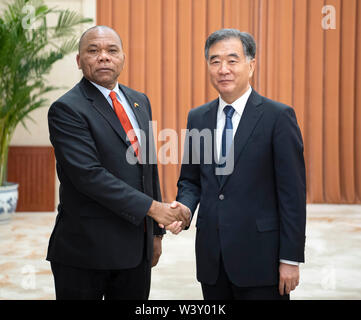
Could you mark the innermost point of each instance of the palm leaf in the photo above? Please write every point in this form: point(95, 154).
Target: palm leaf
point(67, 20)
point(27, 55)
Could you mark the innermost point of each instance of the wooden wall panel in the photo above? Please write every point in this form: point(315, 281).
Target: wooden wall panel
point(358, 105)
point(285, 66)
point(34, 169)
point(169, 98)
point(121, 21)
point(184, 61)
point(137, 42)
point(270, 48)
point(299, 63)
point(199, 70)
point(347, 101)
point(314, 102)
point(331, 84)
point(261, 78)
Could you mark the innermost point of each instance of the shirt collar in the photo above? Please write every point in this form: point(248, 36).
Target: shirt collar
point(238, 104)
point(106, 91)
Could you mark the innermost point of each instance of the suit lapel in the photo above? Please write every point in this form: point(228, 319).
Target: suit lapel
point(251, 115)
point(147, 148)
point(210, 116)
point(140, 111)
point(103, 107)
point(210, 119)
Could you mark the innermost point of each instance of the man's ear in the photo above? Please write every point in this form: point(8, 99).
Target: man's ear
point(78, 61)
point(123, 61)
point(252, 66)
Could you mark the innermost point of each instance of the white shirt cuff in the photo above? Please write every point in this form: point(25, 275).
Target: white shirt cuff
point(294, 263)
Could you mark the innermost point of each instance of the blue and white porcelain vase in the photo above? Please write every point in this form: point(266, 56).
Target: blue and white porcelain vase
point(8, 201)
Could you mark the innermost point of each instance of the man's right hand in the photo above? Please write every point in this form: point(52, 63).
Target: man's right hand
point(177, 226)
point(165, 215)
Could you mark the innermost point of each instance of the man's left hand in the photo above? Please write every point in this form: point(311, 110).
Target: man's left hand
point(157, 250)
point(289, 278)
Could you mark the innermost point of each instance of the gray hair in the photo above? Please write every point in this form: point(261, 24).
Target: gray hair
point(248, 43)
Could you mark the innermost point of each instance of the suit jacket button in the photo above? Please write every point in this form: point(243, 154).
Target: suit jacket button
point(221, 197)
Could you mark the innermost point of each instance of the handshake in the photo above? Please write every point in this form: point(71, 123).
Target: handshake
point(174, 216)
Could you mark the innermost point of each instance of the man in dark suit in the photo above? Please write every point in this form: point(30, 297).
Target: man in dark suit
point(251, 219)
point(107, 223)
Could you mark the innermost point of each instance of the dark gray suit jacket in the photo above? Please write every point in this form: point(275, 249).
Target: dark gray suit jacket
point(256, 215)
point(103, 198)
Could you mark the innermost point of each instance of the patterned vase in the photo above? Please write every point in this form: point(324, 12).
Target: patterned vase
point(8, 201)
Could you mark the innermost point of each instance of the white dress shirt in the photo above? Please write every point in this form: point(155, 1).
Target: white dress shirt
point(239, 106)
point(123, 100)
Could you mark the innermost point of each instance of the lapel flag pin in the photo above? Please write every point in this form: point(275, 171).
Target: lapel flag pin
point(136, 105)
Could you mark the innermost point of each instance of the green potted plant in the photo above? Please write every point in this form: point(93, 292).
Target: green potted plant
point(28, 49)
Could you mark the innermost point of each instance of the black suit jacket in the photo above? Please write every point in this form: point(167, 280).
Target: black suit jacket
point(103, 198)
point(256, 215)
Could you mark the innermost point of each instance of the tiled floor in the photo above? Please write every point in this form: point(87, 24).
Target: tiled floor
point(332, 269)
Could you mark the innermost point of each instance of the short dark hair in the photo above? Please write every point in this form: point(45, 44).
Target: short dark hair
point(99, 28)
point(248, 43)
